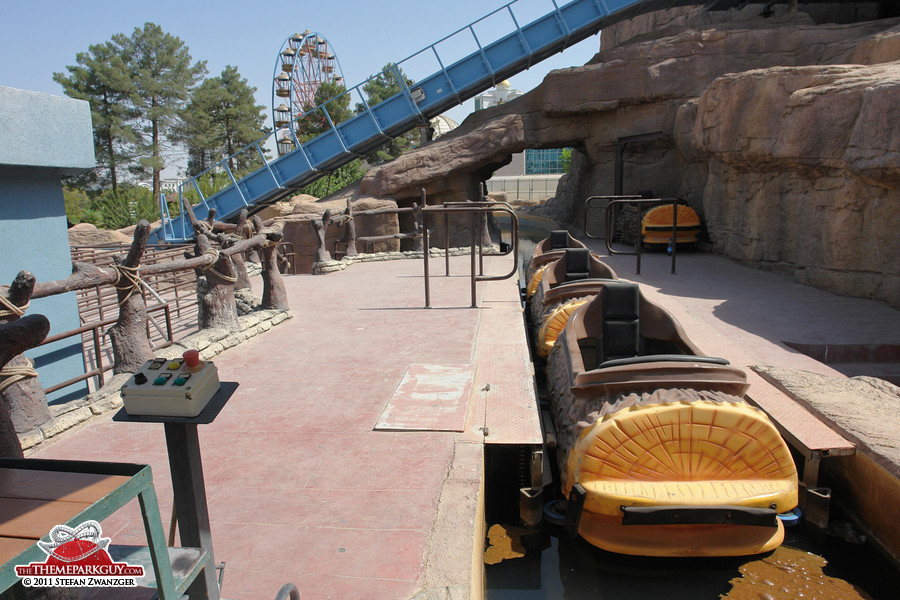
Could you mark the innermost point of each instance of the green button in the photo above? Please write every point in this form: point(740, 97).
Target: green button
point(179, 381)
point(160, 381)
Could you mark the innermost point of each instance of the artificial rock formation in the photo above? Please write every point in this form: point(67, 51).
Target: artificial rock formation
point(781, 133)
point(87, 234)
point(299, 226)
point(815, 188)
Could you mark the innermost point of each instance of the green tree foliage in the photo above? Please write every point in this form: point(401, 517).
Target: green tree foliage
point(77, 203)
point(336, 103)
point(102, 78)
point(566, 157)
point(163, 75)
point(380, 88)
point(209, 183)
point(126, 207)
point(341, 177)
point(136, 86)
point(109, 209)
point(384, 85)
point(221, 118)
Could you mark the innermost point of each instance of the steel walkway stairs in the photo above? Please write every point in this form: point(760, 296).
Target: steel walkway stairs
point(448, 86)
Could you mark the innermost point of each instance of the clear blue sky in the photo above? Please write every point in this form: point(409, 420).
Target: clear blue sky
point(40, 37)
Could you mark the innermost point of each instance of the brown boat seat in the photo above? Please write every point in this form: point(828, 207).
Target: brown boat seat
point(578, 264)
point(551, 248)
point(619, 327)
point(554, 244)
point(574, 264)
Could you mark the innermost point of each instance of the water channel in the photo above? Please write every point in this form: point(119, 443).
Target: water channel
point(545, 563)
point(550, 565)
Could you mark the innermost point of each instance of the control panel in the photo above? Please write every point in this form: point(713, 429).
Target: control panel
point(172, 387)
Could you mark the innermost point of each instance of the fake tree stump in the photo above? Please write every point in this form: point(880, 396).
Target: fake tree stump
point(216, 307)
point(129, 336)
point(274, 293)
point(131, 345)
point(23, 405)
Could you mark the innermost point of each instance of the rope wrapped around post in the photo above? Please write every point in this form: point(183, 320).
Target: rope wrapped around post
point(274, 293)
point(131, 284)
point(215, 253)
point(216, 303)
point(128, 336)
point(11, 374)
point(12, 309)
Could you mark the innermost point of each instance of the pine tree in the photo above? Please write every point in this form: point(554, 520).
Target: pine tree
point(163, 76)
point(221, 118)
point(101, 77)
point(314, 121)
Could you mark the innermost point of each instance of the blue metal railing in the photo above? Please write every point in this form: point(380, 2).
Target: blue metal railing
point(372, 126)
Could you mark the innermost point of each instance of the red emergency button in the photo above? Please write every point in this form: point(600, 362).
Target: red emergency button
point(191, 358)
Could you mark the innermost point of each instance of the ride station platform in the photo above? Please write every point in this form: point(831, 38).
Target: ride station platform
point(350, 459)
point(333, 468)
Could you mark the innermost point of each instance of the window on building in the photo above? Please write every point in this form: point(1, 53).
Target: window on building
point(544, 161)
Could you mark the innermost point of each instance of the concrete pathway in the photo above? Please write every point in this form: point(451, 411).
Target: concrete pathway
point(759, 310)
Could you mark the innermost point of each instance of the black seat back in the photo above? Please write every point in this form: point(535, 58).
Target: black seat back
point(621, 321)
point(559, 239)
point(578, 264)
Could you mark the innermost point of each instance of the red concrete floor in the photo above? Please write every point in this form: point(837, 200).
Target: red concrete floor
point(300, 488)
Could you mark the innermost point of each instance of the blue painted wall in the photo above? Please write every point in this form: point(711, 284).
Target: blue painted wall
point(42, 139)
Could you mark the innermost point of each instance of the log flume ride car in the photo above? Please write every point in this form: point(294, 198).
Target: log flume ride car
point(658, 452)
point(560, 286)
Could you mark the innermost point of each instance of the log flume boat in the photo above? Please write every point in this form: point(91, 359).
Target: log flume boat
point(549, 249)
point(656, 225)
point(576, 275)
point(658, 452)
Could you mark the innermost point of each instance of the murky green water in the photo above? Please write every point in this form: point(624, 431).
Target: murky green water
point(553, 566)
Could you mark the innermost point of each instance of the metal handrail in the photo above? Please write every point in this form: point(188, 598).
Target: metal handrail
point(288, 591)
point(475, 209)
point(481, 252)
point(637, 226)
point(587, 207)
point(289, 255)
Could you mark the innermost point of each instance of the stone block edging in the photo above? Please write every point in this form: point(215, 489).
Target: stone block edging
point(323, 268)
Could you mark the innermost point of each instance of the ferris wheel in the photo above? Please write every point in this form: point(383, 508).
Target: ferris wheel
point(306, 61)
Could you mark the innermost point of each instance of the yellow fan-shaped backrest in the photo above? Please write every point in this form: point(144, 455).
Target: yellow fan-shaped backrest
point(661, 216)
point(683, 441)
point(553, 325)
point(532, 286)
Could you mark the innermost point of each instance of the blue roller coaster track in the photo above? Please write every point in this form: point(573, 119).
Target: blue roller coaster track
point(299, 164)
